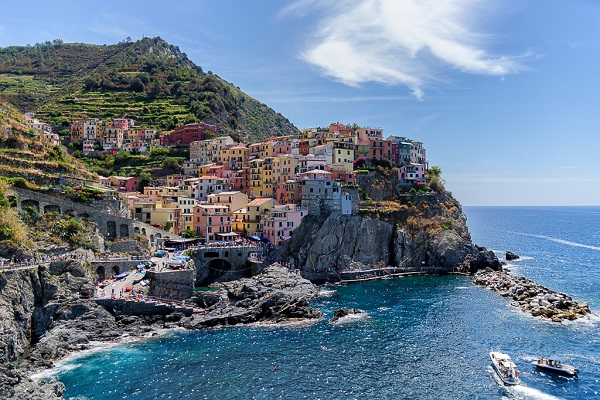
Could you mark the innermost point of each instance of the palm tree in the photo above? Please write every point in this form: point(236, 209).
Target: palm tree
point(434, 179)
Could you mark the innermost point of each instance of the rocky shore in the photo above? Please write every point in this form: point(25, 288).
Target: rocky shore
point(532, 297)
point(43, 318)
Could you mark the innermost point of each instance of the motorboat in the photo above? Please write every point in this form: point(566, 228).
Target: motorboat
point(505, 368)
point(556, 366)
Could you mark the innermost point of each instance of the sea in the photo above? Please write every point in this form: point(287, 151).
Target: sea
point(422, 337)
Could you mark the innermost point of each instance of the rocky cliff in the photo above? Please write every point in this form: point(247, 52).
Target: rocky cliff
point(32, 301)
point(409, 232)
point(45, 315)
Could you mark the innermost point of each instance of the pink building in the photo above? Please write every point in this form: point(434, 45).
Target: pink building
point(122, 123)
point(411, 173)
point(124, 184)
point(369, 134)
point(212, 222)
point(281, 147)
point(281, 221)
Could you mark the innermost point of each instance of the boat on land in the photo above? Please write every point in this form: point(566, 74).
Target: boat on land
point(556, 367)
point(505, 368)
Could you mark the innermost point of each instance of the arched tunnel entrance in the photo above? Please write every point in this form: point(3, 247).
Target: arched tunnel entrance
point(218, 270)
point(100, 274)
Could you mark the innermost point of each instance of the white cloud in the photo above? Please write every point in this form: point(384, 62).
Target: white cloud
point(399, 42)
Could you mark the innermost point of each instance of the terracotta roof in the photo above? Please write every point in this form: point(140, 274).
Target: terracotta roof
point(259, 201)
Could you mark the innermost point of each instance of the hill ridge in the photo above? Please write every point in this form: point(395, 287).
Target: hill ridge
point(148, 80)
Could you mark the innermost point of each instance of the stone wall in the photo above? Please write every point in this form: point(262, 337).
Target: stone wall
point(123, 246)
point(122, 307)
point(176, 285)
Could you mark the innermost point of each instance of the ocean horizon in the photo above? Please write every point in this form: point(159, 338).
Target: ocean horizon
point(421, 337)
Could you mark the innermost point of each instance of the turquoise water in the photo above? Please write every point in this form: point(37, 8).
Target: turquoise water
point(424, 337)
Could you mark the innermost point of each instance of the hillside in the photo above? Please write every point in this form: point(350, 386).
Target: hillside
point(28, 156)
point(148, 80)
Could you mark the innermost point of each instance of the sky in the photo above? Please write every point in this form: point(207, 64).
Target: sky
point(505, 95)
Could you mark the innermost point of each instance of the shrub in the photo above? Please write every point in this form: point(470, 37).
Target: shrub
point(66, 228)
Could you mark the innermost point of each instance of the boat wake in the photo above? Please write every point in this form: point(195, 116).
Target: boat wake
point(526, 392)
point(561, 241)
point(520, 391)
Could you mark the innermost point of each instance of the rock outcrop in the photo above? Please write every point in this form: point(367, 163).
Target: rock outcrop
point(532, 297)
point(275, 295)
point(510, 256)
point(341, 313)
point(44, 316)
point(428, 230)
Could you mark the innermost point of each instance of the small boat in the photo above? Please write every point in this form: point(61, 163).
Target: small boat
point(505, 368)
point(556, 366)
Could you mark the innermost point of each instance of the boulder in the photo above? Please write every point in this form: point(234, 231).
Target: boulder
point(344, 312)
point(511, 256)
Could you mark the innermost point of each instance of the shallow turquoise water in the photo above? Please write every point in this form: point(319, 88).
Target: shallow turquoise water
point(424, 338)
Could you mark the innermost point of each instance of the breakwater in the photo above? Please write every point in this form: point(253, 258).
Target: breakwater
point(532, 297)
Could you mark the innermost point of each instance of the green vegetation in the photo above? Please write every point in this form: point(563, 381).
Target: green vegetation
point(189, 233)
point(148, 80)
point(12, 229)
point(433, 176)
point(28, 160)
point(83, 194)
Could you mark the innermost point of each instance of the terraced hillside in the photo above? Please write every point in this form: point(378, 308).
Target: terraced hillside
point(25, 155)
point(148, 80)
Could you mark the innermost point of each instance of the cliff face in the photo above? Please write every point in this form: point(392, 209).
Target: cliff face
point(32, 301)
point(408, 232)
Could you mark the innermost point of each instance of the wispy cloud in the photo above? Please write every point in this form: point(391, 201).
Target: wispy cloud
point(408, 42)
point(491, 178)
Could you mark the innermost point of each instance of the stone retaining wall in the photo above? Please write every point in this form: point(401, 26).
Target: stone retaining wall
point(176, 285)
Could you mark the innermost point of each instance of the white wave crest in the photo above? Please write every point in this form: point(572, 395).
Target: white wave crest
point(327, 292)
point(351, 318)
point(531, 393)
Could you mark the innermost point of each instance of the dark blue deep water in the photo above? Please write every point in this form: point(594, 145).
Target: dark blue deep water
point(425, 337)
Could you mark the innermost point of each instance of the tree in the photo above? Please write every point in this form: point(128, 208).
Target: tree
point(144, 179)
point(137, 85)
point(170, 163)
point(434, 179)
point(189, 233)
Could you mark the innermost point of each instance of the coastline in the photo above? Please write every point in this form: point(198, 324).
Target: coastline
point(531, 297)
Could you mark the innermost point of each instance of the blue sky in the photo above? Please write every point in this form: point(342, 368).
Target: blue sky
point(504, 94)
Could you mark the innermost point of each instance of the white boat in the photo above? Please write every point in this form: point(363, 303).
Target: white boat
point(505, 368)
point(556, 367)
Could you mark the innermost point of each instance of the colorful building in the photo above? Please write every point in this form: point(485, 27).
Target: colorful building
point(281, 221)
point(184, 135)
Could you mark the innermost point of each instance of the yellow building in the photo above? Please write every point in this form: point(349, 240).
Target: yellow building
point(236, 156)
point(233, 200)
point(256, 211)
point(267, 177)
point(256, 183)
